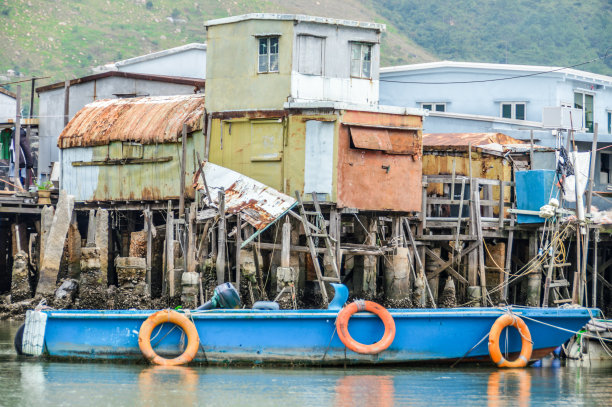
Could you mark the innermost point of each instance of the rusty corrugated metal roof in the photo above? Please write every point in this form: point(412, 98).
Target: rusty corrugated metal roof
point(147, 120)
point(259, 204)
point(464, 139)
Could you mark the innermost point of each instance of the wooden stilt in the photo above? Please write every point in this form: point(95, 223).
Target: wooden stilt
point(221, 237)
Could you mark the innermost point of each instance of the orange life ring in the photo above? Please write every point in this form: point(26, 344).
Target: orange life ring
point(527, 345)
point(342, 325)
point(160, 317)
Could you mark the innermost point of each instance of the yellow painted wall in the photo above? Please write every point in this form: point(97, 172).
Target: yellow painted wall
point(232, 81)
point(269, 150)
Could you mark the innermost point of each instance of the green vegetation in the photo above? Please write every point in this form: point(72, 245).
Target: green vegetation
point(545, 32)
point(65, 39)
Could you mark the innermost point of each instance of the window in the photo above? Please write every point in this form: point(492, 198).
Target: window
point(310, 55)
point(434, 107)
point(609, 122)
point(268, 54)
point(361, 60)
point(584, 101)
point(604, 168)
point(513, 110)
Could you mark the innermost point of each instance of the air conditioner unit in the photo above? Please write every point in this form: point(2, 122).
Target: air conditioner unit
point(559, 117)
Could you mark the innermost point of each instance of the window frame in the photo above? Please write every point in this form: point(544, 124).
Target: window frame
point(434, 106)
point(585, 93)
point(362, 45)
point(268, 53)
point(513, 106)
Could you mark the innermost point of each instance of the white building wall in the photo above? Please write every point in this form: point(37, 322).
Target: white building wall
point(335, 82)
point(190, 63)
point(8, 107)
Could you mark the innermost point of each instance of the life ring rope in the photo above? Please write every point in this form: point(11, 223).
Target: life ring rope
point(502, 322)
point(361, 305)
point(168, 316)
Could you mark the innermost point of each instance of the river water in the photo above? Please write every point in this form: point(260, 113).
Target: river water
point(30, 382)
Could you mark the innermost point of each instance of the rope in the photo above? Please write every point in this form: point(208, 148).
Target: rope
point(564, 329)
point(468, 352)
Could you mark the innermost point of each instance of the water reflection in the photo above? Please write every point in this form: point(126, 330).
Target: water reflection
point(168, 385)
point(365, 390)
point(514, 382)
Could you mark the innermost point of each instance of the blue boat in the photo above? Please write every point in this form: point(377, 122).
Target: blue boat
point(300, 337)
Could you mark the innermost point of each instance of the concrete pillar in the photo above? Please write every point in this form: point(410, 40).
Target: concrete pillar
point(138, 244)
point(73, 251)
point(430, 264)
point(189, 289)
point(55, 245)
point(92, 286)
point(46, 220)
point(365, 267)
point(448, 298)
point(132, 290)
point(91, 229)
point(397, 283)
point(20, 284)
point(102, 242)
point(534, 278)
point(494, 271)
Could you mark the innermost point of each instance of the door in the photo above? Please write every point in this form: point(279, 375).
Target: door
point(319, 162)
point(267, 152)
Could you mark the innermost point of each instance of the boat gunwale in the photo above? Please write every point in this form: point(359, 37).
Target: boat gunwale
point(320, 314)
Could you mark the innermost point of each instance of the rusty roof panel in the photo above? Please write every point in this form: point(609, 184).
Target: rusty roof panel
point(464, 139)
point(146, 120)
point(259, 204)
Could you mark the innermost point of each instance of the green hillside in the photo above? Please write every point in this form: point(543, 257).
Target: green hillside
point(64, 39)
point(544, 32)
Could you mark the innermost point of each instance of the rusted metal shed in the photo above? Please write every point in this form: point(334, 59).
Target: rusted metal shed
point(492, 157)
point(354, 157)
point(130, 149)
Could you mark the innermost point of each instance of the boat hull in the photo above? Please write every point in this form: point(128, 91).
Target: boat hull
point(305, 337)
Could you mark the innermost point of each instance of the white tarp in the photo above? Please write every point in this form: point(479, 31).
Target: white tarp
point(581, 169)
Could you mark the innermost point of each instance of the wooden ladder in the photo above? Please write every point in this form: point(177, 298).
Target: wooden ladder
point(318, 229)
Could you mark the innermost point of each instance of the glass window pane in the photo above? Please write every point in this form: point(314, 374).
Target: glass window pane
point(263, 63)
point(578, 100)
point(355, 68)
point(440, 108)
point(367, 52)
point(520, 111)
point(263, 46)
point(274, 63)
point(609, 122)
point(588, 112)
point(426, 106)
point(356, 51)
point(274, 45)
point(507, 111)
point(366, 69)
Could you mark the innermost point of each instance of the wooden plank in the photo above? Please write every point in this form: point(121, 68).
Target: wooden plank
point(149, 227)
point(501, 204)
point(446, 238)
point(122, 161)
point(182, 173)
point(238, 244)
point(169, 278)
point(481, 260)
point(221, 236)
point(483, 202)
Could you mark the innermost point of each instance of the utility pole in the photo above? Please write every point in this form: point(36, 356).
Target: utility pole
point(17, 139)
